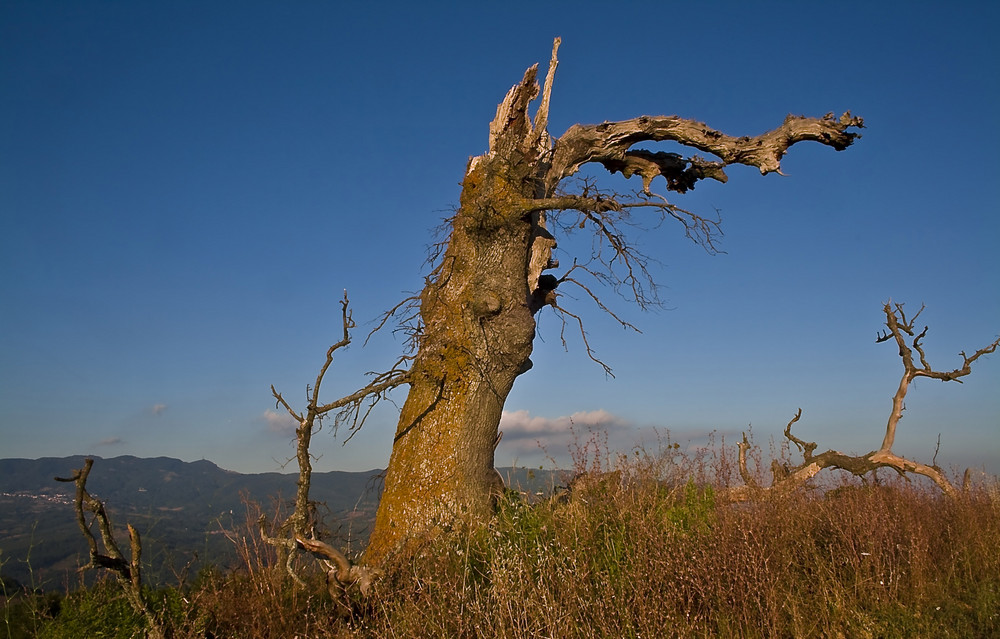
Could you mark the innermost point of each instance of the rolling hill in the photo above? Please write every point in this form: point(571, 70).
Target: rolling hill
point(185, 511)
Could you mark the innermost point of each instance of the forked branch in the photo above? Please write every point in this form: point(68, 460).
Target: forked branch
point(128, 571)
point(903, 332)
point(352, 407)
point(900, 328)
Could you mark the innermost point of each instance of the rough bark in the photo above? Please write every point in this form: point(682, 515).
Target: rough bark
point(476, 339)
point(477, 309)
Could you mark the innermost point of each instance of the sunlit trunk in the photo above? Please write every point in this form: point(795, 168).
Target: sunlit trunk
point(477, 338)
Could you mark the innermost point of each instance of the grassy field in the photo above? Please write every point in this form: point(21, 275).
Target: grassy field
point(643, 545)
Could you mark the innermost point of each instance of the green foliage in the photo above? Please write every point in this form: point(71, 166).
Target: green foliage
point(100, 611)
point(696, 511)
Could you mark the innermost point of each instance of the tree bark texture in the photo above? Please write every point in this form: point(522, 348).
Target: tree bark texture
point(477, 308)
point(477, 338)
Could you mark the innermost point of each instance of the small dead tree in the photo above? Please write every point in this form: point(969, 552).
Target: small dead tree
point(903, 332)
point(127, 571)
point(298, 531)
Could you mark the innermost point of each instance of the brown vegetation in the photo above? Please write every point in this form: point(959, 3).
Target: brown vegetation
point(645, 550)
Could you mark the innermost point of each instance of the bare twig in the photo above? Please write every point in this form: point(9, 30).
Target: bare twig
point(352, 408)
point(583, 336)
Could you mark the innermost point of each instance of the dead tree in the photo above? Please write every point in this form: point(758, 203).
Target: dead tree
point(473, 323)
point(902, 331)
point(298, 531)
point(127, 571)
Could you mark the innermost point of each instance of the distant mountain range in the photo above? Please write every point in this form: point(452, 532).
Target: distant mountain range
point(186, 512)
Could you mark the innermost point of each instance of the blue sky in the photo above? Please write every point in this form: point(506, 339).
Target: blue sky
point(186, 189)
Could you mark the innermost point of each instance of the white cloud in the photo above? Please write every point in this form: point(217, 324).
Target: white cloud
point(158, 409)
point(524, 433)
point(279, 423)
point(569, 439)
point(521, 423)
point(111, 441)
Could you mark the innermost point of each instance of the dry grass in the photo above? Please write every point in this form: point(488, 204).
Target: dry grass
point(649, 550)
point(641, 558)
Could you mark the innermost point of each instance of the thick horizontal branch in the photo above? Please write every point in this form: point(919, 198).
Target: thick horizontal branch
point(702, 230)
point(787, 479)
point(573, 203)
point(591, 204)
point(610, 143)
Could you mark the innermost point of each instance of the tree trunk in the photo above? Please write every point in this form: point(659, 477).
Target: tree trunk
point(477, 332)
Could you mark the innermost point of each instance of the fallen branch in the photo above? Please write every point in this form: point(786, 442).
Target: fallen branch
point(341, 573)
point(902, 331)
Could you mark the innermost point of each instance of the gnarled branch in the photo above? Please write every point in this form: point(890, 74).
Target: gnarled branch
point(341, 572)
point(610, 144)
